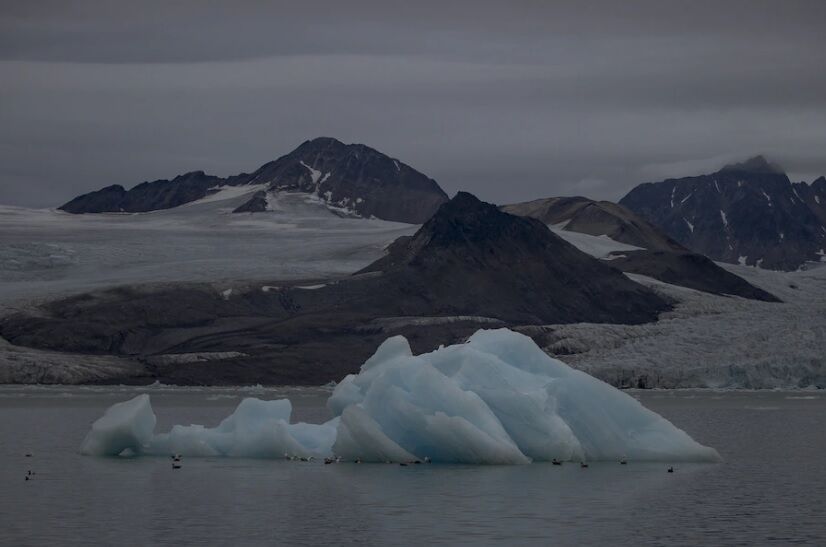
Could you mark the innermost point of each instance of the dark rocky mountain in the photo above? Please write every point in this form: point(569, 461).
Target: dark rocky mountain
point(688, 269)
point(469, 266)
point(661, 258)
point(596, 218)
point(146, 196)
point(354, 178)
point(748, 212)
point(350, 178)
point(472, 258)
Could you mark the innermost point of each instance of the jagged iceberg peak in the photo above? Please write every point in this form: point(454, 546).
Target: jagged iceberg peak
point(497, 399)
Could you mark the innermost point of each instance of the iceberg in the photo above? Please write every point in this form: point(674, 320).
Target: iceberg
point(496, 399)
point(257, 429)
point(124, 427)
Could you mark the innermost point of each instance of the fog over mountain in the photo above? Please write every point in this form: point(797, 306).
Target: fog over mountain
point(509, 100)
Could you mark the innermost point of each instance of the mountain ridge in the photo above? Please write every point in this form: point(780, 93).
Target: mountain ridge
point(659, 256)
point(351, 177)
point(748, 213)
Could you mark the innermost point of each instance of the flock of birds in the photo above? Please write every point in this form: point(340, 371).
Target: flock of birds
point(178, 458)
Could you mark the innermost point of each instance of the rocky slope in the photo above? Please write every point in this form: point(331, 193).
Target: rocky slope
point(146, 196)
point(596, 218)
point(350, 178)
point(658, 255)
point(748, 213)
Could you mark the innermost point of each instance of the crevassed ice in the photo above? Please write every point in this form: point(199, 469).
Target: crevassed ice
point(497, 399)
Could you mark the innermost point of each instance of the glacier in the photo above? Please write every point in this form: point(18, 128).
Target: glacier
point(496, 399)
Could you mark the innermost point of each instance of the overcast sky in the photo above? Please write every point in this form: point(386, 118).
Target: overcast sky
point(509, 100)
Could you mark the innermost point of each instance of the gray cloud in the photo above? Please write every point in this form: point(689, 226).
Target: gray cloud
point(510, 100)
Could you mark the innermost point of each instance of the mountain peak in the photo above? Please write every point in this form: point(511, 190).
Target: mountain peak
point(756, 164)
point(466, 218)
point(470, 258)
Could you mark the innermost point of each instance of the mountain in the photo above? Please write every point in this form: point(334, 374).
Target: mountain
point(146, 196)
point(658, 255)
point(747, 212)
point(469, 266)
point(472, 258)
point(353, 178)
point(596, 218)
point(349, 178)
point(688, 269)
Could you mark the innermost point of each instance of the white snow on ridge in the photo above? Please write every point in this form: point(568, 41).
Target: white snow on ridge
point(225, 193)
point(690, 225)
point(724, 218)
point(315, 174)
point(596, 246)
point(768, 198)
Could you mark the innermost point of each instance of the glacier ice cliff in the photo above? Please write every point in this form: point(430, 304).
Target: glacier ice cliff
point(496, 399)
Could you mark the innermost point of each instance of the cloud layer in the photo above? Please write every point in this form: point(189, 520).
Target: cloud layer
point(509, 100)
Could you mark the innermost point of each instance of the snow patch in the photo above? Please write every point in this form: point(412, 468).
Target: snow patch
point(597, 246)
point(224, 193)
point(315, 174)
point(724, 218)
point(690, 225)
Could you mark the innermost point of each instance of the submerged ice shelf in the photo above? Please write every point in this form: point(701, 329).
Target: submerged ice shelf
point(496, 399)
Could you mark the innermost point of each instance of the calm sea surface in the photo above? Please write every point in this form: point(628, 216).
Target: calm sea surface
point(770, 490)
